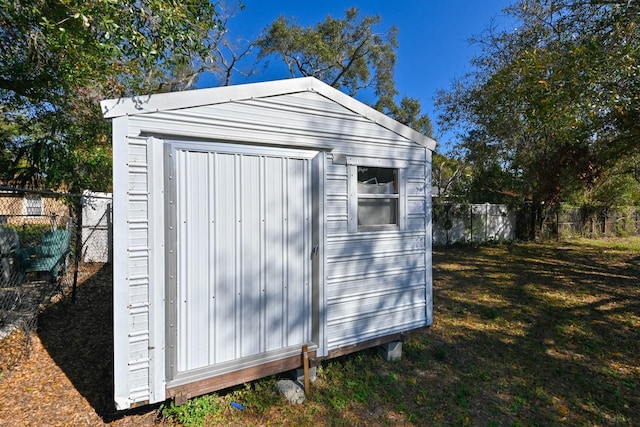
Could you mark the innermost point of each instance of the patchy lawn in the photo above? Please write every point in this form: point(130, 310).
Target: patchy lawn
point(523, 334)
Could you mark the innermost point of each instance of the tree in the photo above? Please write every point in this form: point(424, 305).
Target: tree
point(50, 46)
point(555, 103)
point(408, 113)
point(230, 52)
point(618, 186)
point(58, 58)
point(448, 178)
point(348, 54)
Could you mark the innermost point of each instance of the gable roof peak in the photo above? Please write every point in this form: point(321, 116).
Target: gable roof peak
point(144, 104)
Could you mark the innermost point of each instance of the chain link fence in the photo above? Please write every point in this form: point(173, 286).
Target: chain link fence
point(47, 240)
point(566, 222)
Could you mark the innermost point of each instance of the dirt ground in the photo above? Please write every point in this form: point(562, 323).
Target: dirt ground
point(66, 380)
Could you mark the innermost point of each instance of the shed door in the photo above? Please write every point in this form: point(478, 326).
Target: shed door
point(242, 233)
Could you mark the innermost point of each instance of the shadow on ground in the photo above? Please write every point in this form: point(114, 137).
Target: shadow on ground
point(538, 335)
point(79, 337)
point(522, 335)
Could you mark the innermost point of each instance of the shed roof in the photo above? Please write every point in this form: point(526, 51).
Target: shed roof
point(194, 98)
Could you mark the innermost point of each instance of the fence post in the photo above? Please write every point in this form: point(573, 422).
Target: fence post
point(471, 221)
point(78, 249)
point(486, 222)
point(109, 234)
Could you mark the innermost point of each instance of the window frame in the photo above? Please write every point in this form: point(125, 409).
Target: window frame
point(352, 174)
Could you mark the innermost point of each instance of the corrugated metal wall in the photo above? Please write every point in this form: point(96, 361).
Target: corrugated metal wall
point(244, 256)
point(372, 284)
point(376, 282)
point(131, 268)
point(294, 120)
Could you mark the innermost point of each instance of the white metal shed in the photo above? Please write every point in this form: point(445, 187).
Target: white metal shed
point(251, 220)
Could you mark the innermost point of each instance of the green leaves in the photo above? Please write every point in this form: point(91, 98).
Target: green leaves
point(559, 96)
point(347, 54)
point(59, 58)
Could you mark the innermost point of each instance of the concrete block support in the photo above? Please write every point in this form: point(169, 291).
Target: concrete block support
point(298, 374)
point(391, 352)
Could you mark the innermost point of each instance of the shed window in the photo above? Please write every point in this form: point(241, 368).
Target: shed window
point(377, 193)
point(377, 197)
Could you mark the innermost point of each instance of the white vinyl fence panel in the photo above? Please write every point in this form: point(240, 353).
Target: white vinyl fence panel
point(472, 223)
point(96, 227)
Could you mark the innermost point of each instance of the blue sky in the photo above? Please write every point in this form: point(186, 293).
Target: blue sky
point(433, 37)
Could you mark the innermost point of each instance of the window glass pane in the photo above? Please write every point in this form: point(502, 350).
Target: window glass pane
point(373, 180)
point(377, 211)
point(378, 198)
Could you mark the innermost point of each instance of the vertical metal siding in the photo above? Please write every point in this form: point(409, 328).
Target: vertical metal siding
point(155, 292)
point(138, 252)
point(251, 231)
point(319, 235)
point(244, 245)
point(131, 268)
point(121, 291)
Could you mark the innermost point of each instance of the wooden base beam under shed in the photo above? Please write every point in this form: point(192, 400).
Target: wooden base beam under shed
point(181, 393)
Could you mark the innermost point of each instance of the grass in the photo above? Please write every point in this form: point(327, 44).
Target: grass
point(523, 335)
